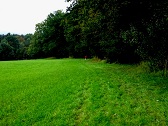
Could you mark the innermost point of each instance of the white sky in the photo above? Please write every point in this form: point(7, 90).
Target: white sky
point(21, 16)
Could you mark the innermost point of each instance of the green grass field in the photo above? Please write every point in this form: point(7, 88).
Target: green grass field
point(76, 92)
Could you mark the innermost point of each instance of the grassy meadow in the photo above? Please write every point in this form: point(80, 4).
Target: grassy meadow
point(68, 92)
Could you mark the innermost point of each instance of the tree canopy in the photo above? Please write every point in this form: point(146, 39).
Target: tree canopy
point(14, 46)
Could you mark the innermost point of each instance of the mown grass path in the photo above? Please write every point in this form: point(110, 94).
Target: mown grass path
point(78, 92)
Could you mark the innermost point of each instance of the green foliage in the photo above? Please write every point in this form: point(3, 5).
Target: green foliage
point(6, 51)
point(49, 40)
point(122, 31)
point(14, 46)
point(80, 92)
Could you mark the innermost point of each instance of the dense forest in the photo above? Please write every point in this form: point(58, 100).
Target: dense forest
point(123, 31)
point(13, 46)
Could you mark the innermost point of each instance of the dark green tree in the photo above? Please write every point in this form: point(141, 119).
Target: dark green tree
point(48, 39)
point(6, 51)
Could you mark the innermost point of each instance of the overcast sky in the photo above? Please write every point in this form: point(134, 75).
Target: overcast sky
point(21, 16)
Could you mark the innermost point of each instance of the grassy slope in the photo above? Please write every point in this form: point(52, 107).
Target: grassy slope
point(79, 92)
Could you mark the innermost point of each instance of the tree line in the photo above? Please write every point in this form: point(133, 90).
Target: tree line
point(14, 47)
point(123, 31)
